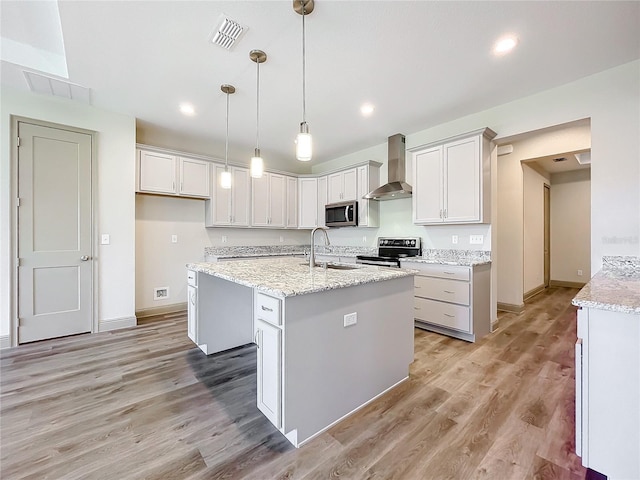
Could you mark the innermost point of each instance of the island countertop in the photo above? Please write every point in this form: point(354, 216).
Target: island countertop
point(616, 287)
point(287, 277)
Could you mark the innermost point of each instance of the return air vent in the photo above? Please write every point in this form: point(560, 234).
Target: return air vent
point(227, 33)
point(56, 87)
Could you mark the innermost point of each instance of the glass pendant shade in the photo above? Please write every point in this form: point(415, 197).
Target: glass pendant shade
point(225, 179)
point(304, 144)
point(257, 165)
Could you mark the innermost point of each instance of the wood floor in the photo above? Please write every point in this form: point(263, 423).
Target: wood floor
point(144, 403)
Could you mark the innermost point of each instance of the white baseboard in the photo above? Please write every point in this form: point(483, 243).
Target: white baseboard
point(150, 312)
point(116, 323)
point(4, 341)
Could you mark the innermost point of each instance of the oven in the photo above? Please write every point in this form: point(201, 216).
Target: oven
point(391, 250)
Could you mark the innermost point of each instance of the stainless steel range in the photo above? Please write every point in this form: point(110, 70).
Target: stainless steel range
point(391, 250)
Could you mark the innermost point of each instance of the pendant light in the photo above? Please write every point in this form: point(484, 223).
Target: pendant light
point(304, 146)
point(225, 177)
point(257, 164)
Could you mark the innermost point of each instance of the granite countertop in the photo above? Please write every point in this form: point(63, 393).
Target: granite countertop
point(285, 250)
point(616, 287)
point(469, 258)
point(287, 277)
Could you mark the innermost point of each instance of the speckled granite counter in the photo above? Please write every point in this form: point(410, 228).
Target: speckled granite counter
point(453, 257)
point(287, 277)
point(283, 250)
point(616, 287)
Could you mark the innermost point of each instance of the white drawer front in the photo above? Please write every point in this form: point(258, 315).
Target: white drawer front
point(192, 278)
point(268, 309)
point(453, 272)
point(444, 314)
point(440, 289)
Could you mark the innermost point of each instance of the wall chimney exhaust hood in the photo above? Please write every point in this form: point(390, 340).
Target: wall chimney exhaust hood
point(396, 187)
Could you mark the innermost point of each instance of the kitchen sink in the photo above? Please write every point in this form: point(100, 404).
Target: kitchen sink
point(335, 266)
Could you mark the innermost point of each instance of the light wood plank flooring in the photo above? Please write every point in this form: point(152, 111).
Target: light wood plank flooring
point(144, 403)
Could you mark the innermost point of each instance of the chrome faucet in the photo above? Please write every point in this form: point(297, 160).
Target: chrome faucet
point(312, 253)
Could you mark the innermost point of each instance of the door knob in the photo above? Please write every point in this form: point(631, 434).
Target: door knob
point(84, 258)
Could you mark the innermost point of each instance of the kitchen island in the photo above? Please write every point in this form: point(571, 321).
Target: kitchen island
point(330, 340)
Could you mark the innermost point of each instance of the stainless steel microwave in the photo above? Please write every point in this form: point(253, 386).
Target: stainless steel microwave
point(343, 214)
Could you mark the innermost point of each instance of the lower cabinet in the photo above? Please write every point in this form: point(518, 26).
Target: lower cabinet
point(607, 380)
point(268, 338)
point(192, 306)
point(452, 300)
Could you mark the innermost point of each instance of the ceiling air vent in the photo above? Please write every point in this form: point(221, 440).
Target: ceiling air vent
point(56, 87)
point(227, 33)
point(560, 159)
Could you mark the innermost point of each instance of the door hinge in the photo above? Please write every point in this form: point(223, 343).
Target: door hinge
point(18, 202)
point(18, 141)
point(18, 262)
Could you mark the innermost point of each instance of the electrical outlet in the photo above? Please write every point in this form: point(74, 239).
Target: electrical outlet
point(454, 239)
point(350, 319)
point(579, 273)
point(476, 239)
point(281, 239)
point(224, 239)
point(364, 239)
point(160, 293)
point(105, 239)
point(174, 238)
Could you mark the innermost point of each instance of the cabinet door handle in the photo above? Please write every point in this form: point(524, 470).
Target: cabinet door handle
point(266, 309)
point(448, 291)
point(416, 308)
point(445, 213)
point(449, 273)
point(450, 316)
point(441, 213)
point(256, 338)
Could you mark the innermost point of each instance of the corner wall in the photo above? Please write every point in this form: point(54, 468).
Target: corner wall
point(115, 149)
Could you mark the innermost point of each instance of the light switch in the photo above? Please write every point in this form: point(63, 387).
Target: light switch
point(454, 239)
point(105, 239)
point(174, 238)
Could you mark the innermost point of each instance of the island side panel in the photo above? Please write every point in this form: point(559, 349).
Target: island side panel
point(225, 313)
point(331, 370)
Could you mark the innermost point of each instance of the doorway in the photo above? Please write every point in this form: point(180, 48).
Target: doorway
point(54, 231)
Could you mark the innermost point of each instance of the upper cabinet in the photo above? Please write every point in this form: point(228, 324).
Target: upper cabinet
point(228, 207)
point(342, 186)
point(292, 202)
point(269, 201)
point(166, 174)
point(452, 180)
point(308, 203)
point(368, 179)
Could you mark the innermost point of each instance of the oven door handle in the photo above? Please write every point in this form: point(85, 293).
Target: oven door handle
point(346, 213)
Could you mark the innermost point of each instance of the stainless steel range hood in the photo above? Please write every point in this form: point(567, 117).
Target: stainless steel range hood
point(396, 187)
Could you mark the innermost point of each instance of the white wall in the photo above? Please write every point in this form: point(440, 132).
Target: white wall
point(115, 197)
point(161, 263)
point(533, 222)
point(611, 99)
point(571, 226)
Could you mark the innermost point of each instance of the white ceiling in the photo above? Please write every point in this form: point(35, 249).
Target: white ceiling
point(421, 63)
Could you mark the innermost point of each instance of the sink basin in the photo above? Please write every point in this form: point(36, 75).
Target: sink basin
point(342, 266)
point(335, 266)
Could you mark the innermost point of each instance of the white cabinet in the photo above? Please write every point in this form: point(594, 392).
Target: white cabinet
point(292, 202)
point(452, 180)
point(607, 380)
point(453, 300)
point(228, 207)
point(368, 179)
point(268, 338)
point(269, 198)
point(308, 202)
point(192, 306)
point(166, 174)
point(342, 186)
point(322, 200)
point(194, 177)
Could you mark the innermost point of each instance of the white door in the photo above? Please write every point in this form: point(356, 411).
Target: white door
point(350, 185)
point(240, 195)
point(427, 191)
point(462, 180)
point(54, 233)
point(278, 200)
point(269, 376)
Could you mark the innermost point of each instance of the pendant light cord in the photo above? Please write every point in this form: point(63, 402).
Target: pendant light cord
point(226, 143)
point(258, 107)
point(304, 78)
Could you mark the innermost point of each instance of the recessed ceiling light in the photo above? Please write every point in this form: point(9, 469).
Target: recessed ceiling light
point(367, 109)
point(505, 45)
point(187, 109)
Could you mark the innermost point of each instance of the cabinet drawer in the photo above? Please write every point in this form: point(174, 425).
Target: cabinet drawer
point(456, 317)
point(453, 272)
point(440, 289)
point(268, 309)
point(192, 278)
